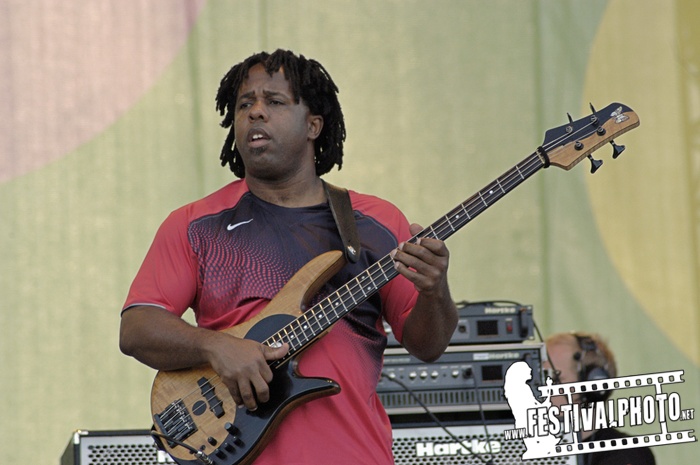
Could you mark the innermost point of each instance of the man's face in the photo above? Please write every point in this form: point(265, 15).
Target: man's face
point(274, 135)
point(561, 359)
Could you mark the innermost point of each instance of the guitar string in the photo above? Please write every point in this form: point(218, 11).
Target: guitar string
point(336, 300)
point(511, 179)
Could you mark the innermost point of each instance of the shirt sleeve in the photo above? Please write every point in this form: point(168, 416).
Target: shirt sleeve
point(168, 275)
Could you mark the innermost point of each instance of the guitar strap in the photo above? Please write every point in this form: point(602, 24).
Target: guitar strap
point(339, 200)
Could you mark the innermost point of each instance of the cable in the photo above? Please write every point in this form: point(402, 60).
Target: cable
point(440, 423)
point(201, 456)
point(483, 417)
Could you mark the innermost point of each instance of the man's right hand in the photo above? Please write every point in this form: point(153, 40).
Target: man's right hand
point(164, 341)
point(242, 365)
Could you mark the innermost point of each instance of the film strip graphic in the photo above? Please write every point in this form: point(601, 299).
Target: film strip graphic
point(646, 440)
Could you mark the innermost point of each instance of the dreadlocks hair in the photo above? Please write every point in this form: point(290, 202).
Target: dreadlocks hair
point(310, 83)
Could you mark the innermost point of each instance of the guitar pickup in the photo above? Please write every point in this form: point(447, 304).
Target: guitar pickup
point(215, 404)
point(175, 422)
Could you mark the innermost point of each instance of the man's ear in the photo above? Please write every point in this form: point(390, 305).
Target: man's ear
point(315, 126)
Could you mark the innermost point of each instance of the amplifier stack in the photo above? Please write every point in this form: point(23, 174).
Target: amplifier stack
point(470, 375)
point(463, 389)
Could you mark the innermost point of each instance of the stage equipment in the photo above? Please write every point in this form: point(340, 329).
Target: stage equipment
point(477, 444)
point(464, 378)
point(412, 445)
point(488, 323)
point(125, 447)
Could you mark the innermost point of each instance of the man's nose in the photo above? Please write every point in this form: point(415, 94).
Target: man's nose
point(258, 111)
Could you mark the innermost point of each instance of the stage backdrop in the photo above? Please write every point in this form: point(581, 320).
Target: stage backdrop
point(108, 123)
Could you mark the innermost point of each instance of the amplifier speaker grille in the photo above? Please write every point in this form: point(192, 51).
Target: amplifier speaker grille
point(127, 447)
point(432, 445)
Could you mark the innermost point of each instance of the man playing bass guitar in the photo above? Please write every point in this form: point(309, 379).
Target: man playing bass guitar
point(228, 255)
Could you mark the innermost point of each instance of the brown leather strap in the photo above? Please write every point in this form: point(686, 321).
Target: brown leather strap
point(339, 200)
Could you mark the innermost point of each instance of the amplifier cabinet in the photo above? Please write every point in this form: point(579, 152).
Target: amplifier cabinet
point(412, 444)
point(124, 447)
point(464, 378)
point(477, 444)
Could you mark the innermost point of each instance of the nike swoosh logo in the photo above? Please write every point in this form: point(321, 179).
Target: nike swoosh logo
point(231, 227)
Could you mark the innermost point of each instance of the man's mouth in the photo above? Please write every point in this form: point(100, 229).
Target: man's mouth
point(257, 138)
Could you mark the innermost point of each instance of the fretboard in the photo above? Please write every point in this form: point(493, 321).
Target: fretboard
point(312, 323)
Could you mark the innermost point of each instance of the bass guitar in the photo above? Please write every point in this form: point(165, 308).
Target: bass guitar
point(195, 418)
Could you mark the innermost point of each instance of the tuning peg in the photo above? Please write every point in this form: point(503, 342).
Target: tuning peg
point(617, 149)
point(594, 118)
point(595, 164)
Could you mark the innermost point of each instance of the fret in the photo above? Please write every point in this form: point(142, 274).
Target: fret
point(291, 336)
point(373, 286)
point(314, 321)
point(477, 208)
point(501, 186)
point(381, 268)
point(286, 333)
point(359, 284)
point(437, 229)
point(305, 326)
point(298, 329)
point(348, 294)
point(466, 212)
point(324, 313)
point(345, 308)
point(450, 223)
point(482, 199)
point(298, 333)
point(294, 344)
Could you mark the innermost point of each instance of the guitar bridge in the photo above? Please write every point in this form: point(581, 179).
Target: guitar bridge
point(175, 422)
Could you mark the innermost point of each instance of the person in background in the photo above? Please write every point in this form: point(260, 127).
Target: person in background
point(580, 356)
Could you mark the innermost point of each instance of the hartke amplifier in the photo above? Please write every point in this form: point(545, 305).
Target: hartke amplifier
point(487, 323)
point(477, 445)
point(464, 378)
point(125, 447)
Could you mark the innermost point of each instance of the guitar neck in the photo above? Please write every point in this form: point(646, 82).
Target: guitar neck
point(462, 214)
point(301, 332)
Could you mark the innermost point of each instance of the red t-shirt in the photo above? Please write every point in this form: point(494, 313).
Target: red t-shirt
point(227, 255)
